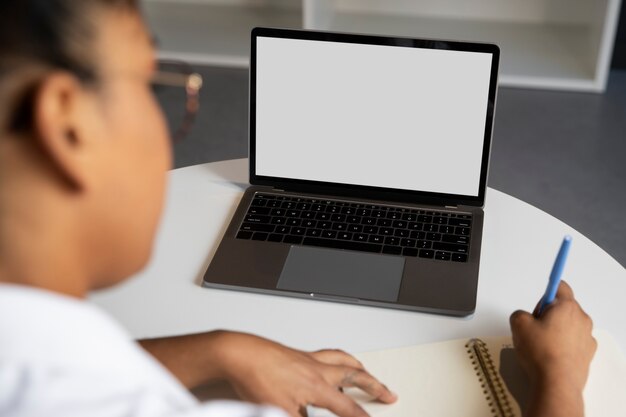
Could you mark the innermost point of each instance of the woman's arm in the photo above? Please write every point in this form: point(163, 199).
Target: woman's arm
point(556, 350)
point(194, 359)
point(263, 371)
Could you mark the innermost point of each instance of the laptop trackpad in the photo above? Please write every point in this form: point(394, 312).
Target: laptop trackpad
point(342, 273)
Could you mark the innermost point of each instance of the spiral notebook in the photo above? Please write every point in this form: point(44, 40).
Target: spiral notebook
point(479, 377)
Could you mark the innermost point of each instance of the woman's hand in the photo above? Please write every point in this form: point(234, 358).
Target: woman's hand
point(556, 350)
point(262, 371)
point(266, 372)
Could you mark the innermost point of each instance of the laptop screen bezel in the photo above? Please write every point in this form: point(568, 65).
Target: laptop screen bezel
point(361, 191)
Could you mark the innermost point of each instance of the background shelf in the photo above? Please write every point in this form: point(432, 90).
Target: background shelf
point(550, 44)
point(532, 54)
point(214, 33)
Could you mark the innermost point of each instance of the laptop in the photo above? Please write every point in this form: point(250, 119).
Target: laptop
point(368, 167)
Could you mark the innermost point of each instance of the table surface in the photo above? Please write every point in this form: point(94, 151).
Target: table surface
point(519, 246)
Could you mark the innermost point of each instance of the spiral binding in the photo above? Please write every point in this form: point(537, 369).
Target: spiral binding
point(489, 378)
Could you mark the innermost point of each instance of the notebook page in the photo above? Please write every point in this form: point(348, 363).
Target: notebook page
point(435, 380)
point(439, 380)
point(605, 391)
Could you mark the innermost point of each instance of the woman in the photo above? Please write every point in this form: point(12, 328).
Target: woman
point(84, 155)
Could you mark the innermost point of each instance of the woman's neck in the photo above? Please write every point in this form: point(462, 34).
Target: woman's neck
point(38, 256)
point(38, 243)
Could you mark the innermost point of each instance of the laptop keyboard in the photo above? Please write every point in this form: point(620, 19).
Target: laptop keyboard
point(339, 224)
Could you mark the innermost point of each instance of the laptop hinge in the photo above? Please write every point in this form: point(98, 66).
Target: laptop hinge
point(452, 207)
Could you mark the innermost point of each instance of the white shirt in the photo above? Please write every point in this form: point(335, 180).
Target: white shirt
point(63, 357)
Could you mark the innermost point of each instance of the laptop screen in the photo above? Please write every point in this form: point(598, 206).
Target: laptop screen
point(404, 118)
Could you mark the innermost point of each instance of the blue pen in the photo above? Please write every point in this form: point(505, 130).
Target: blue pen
point(555, 275)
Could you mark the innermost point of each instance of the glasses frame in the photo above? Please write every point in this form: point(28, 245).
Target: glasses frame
point(192, 83)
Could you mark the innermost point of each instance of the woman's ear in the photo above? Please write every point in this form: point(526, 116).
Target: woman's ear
point(59, 105)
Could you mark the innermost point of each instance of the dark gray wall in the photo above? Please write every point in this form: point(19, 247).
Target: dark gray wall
point(619, 54)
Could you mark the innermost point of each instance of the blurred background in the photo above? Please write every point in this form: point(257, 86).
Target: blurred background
point(560, 131)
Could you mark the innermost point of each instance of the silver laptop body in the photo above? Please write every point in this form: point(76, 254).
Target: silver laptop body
point(368, 169)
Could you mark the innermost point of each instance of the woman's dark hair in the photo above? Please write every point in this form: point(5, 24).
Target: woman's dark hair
point(46, 35)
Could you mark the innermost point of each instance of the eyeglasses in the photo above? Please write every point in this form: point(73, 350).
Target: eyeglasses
point(180, 105)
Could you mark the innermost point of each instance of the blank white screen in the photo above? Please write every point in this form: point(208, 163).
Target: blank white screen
point(393, 117)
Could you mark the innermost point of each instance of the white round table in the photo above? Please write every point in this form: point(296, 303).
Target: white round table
point(519, 246)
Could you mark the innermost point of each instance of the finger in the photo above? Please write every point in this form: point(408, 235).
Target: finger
point(345, 376)
point(520, 319)
point(588, 318)
point(337, 357)
point(594, 345)
point(564, 292)
point(545, 309)
point(338, 403)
